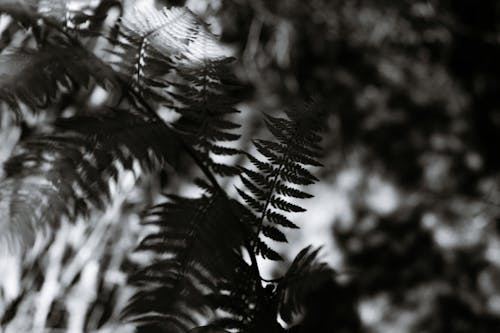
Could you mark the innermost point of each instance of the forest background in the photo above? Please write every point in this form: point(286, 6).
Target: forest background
point(407, 206)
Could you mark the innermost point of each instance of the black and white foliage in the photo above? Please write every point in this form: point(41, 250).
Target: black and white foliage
point(202, 272)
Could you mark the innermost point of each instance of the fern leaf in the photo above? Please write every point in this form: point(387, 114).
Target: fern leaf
point(220, 168)
point(291, 192)
point(305, 160)
point(41, 185)
point(260, 179)
point(223, 151)
point(255, 190)
point(56, 64)
point(295, 147)
point(251, 201)
point(300, 171)
point(284, 205)
point(266, 252)
point(293, 178)
point(266, 168)
point(177, 286)
point(69, 172)
point(267, 151)
point(204, 109)
point(170, 31)
point(152, 43)
point(280, 220)
point(303, 275)
point(274, 234)
point(128, 135)
point(150, 39)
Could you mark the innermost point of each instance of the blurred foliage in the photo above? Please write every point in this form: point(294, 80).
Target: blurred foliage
point(412, 87)
point(412, 90)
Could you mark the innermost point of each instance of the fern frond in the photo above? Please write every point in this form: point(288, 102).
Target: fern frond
point(151, 46)
point(46, 178)
point(151, 40)
point(195, 248)
point(279, 175)
point(280, 219)
point(266, 252)
point(273, 233)
point(23, 204)
point(69, 172)
point(241, 300)
point(303, 275)
point(204, 249)
point(252, 309)
point(173, 31)
point(129, 135)
point(35, 76)
point(202, 102)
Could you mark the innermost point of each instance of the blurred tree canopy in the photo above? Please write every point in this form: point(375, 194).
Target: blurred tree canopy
point(412, 87)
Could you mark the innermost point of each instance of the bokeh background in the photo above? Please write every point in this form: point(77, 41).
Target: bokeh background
point(408, 207)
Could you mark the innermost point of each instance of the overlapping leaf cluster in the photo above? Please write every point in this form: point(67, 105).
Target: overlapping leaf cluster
point(59, 63)
point(174, 59)
point(250, 302)
point(147, 50)
point(68, 172)
point(197, 246)
point(204, 250)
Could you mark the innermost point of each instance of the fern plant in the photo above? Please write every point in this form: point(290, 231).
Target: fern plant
point(202, 273)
